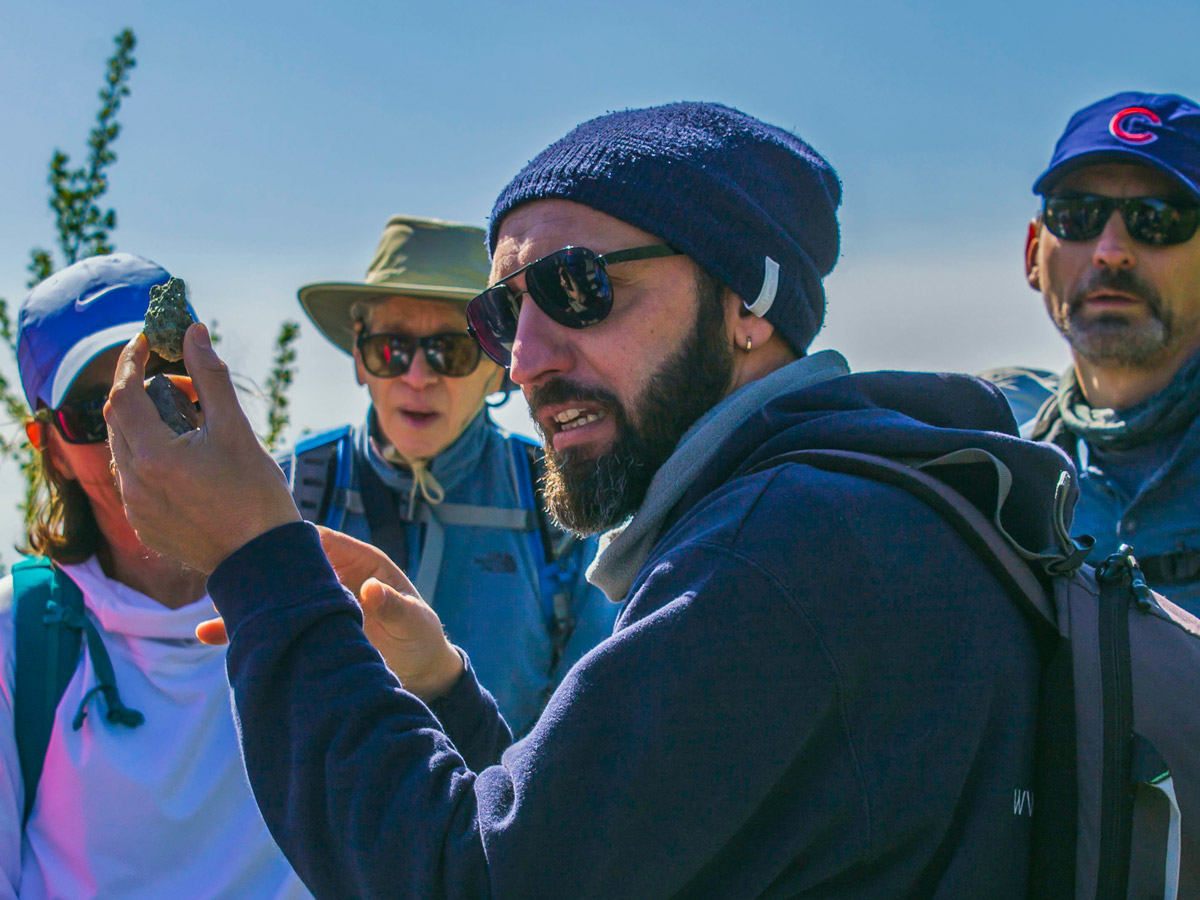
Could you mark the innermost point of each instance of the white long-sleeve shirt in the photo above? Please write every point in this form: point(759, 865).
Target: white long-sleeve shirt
point(161, 810)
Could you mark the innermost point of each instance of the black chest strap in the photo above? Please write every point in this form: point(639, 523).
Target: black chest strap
point(382, 513)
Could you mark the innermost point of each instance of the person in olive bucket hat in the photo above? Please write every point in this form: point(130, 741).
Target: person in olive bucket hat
point(432, 480)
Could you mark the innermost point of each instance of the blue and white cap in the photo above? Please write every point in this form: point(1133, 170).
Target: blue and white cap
point(1161, 131)
point(75, 315)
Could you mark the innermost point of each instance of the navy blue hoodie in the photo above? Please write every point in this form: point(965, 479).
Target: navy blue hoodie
point(814, 690)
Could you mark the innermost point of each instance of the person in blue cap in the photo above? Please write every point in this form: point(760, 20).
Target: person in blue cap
point(119, 767)
point(431, 479)
point(1115, 254)
point(815, 688)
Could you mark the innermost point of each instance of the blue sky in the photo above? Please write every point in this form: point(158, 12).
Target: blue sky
point(266, 143)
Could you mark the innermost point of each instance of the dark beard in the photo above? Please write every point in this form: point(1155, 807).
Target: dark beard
point(588, 494)
point(1113, 339)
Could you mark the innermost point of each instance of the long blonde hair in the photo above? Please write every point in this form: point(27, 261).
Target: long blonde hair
point(60, 523)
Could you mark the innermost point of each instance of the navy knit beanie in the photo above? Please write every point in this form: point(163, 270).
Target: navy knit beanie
point(751, 203)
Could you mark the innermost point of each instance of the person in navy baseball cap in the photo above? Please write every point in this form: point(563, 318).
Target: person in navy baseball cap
point(69, 330)
point(1161, 131)
point(138, 725)
point(1115, 253)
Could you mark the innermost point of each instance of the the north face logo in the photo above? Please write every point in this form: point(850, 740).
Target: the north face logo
point(502, 563)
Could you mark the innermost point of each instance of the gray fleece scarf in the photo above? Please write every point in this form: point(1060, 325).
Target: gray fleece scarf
point(623, 550)
point(1168, 412)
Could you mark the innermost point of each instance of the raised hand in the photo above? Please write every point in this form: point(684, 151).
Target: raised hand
point(398, 623)
point(199, 496)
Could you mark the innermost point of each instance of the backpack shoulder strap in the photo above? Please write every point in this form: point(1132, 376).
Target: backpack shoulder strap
point(378, 502)
point(320, 474)
point(551, 546)
point(1053, 869)
point(1117, 578)
point(47, 654)
point(1013, 572)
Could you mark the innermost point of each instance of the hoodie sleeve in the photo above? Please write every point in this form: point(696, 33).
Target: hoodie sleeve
point(471, 719)
point(665, 748)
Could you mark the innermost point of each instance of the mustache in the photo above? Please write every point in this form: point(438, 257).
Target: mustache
point(563, 390)
point(1119, 280)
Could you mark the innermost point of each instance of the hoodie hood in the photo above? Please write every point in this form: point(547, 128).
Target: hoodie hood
point(906, 416)
point(122, 610)
point(625, 548)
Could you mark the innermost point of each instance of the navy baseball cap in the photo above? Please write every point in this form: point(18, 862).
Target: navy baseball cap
point(75, 315)
point(1161, 131)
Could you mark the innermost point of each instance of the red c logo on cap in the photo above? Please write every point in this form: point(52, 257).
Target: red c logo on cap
point(1134, 117)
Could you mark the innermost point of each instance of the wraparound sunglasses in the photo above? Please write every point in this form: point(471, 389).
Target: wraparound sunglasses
point(570, 285)
point(1156, 221)
point(81, 420)
point(390, 355)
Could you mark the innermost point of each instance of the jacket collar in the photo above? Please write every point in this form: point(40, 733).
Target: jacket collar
point(624, 550)
point(450, 467)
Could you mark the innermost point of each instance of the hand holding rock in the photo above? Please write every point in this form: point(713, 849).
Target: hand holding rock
point(199, 496)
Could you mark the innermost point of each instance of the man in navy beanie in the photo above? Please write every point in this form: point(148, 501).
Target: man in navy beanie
point(814, 688)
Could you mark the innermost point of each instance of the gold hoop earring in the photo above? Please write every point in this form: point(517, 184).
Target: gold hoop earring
point(749, 343)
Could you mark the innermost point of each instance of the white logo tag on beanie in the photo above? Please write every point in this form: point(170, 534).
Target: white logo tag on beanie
point(770, 285)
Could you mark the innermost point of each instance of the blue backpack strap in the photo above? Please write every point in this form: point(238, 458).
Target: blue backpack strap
point(50, 623)
point(320, 474)
point(46, 657)
point(551, 546)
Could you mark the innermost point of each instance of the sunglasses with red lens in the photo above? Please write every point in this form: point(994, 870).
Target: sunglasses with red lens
point(570, 285)
point(453, 353)
point(80, 421)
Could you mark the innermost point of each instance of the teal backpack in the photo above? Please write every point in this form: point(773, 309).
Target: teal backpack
point(49, 624)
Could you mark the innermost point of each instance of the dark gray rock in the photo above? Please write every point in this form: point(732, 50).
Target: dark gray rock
point(173, 405)
point(167, 318)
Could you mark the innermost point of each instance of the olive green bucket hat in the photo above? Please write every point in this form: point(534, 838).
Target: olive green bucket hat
point(422, 258)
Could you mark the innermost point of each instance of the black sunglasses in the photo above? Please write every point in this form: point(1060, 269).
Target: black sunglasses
point(570, 285)
point(1149, 220)
point(81, 421)
point(390, 355)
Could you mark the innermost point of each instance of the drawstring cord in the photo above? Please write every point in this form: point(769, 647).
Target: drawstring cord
point(424, 481)
point(117, 712)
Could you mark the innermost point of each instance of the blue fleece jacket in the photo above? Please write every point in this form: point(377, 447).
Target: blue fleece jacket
point(1145, 496)
point(487, 591)
point(814, 690)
